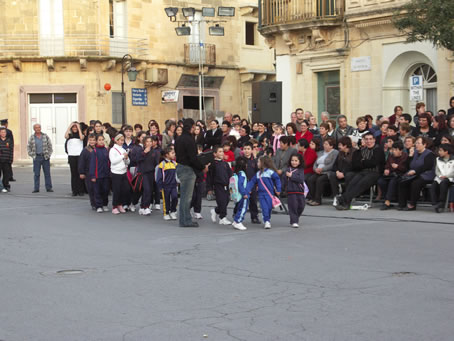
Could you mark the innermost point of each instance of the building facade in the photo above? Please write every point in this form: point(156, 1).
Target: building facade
point(346, 57)
point(58, 59)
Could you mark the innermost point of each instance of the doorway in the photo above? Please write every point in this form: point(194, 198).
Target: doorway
point(328, 87)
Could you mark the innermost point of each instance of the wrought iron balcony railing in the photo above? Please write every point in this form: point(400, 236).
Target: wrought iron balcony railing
point(83, 45)
point(274, 12)
point(206, 54)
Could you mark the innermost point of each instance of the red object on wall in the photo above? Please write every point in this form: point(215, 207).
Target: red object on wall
point(107, 86)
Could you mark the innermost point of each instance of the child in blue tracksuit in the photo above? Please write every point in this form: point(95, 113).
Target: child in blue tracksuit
point(166, 180)
point(99, 172)
point(241, 206)
point(271, 180)
point(84, 168)
point(294, 178)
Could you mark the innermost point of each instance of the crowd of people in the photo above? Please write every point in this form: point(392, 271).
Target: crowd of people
point(403, 158)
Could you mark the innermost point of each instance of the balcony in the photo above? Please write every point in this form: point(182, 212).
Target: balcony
point(194, 54)
point(33, 45)
point(283, 12)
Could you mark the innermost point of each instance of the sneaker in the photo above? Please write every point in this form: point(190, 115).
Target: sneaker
point(213, 215)
point(121, 209)
point(99, 210)
point(225, 221)
point(105, 209)
point(335, 203)
point(239, 226)
point(132, 208)
point(157, 207)
point(167, 217)
point(173, 215)
point(146, 211)
point(141, 211)
point(126, 208)
point(36, 191)
point(267, 225)
point(198, 216)
point(295, 225)
point(4, 190)
point(116, 211)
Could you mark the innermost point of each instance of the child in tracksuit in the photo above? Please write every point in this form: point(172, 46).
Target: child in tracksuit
point(266, 176)
point(166, 180)
point(99, 171)
point(84, 168)
point(197, 195)
point(251, 170)
point(147, 163)
point(241, 206)
point(156, 197)
point(218, 178)
point(295, 188)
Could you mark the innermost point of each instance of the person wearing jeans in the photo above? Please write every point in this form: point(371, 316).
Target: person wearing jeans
point(39, 148)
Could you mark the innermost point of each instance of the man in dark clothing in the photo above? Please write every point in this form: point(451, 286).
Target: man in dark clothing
point(342, 169)
point(10, 136)
point(188, 163)
point(6, 158)
point(244, 136)
point(343, 130)
point(368, 163)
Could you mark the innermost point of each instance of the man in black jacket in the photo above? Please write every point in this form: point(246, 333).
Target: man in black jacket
point(186, 151)
point(6, 158)
point(10, 136)
point(368, 164)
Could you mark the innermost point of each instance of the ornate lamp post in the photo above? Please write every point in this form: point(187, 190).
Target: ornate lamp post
point(132, 76)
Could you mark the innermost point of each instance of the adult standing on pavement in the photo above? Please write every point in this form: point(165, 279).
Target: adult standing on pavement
point(10, 136)
point(188, 163)
point(74, 146)
point(6, 158)
point(39, 148)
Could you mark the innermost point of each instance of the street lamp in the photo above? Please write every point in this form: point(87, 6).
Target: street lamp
point(132, 76)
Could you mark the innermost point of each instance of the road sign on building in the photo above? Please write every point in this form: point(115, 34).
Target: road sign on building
point(416, 88)
point(139, 97)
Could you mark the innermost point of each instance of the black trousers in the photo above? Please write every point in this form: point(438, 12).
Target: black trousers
point(334, 181)
point(296, 204)
point(148, 186)
point(121, 190)
point(253, 208)
point(169, 200)
point(360, 182)
point(197, 195)
point(410, 191)
point(90, 186)
point(316, 184)
point(101, 189)
point(156, 196)
point(388, 187)
point(222, 200)
point(77, 185)
point(439, 191)
point(6, 173)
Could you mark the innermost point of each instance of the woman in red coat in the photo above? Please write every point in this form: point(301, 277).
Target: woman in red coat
point(304, 133)
point(309, 156)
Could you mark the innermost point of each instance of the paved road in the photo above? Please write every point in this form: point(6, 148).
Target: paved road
point(343, 276)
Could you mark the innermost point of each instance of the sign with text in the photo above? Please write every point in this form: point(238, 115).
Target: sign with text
point(416, 88)
point(169, 96)
point(360, 64)
point(139, 97)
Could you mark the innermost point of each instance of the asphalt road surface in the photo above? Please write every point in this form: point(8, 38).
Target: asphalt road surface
point(364, 275)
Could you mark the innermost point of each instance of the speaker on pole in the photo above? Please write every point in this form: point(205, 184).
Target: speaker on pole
point(267, 102)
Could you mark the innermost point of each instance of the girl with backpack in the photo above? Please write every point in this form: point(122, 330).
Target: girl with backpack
point(267, 181)
point(295, 188)
point(238, 194)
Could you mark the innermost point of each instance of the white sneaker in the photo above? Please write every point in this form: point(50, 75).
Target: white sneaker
point(105, 209)
point(132, 208)
point(192, 214)
point(198, 216)
point(267, 225)
point(335, 201)
point(295, 225)
point(239, 226)
point(225, 221)
point(213, 215)
point(99, 210)
point(157, 207)
point(146, 211)
point(141, 211)
point(4, 190)
point(173, 215)
point(167, 217)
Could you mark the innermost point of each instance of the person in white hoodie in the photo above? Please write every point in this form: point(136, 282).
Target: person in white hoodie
point(444, 176)
point(119, 161)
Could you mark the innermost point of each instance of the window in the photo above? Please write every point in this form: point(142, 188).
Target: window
point(116, 108)
point(111, 19)
point(250, 33)
point(53, 98)
point(51, 28)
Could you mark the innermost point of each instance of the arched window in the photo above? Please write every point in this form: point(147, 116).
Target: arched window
point(427, 72)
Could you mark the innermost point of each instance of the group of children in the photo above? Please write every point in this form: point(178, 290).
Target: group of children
point(135, 171)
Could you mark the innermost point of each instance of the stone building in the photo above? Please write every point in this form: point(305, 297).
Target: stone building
point(346, 57)
point(56, 56)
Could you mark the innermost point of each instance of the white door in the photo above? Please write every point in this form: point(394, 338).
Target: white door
point(51, 28)
point(118, 39)
point(54, 120)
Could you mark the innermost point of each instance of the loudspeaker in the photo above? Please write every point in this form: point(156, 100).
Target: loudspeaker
point(267, 102)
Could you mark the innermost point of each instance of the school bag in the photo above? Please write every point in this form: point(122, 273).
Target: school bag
point(235, 194)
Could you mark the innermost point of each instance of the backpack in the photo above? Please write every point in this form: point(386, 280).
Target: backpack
point(235, 194)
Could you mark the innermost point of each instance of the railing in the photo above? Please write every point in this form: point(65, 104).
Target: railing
point(206, 54)
point(274, 12)
point(83, 45)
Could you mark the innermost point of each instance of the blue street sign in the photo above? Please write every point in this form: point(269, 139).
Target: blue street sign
point(139, 97)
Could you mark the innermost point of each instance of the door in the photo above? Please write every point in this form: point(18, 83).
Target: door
point(118, 28)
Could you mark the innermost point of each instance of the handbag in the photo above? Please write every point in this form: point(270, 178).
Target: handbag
point(275, 202)
point(406, 178)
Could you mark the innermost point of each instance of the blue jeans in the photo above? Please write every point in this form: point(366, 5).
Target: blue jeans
point(187, 177)
point(39, 162)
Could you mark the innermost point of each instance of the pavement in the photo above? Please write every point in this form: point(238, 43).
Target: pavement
point(344, 275)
